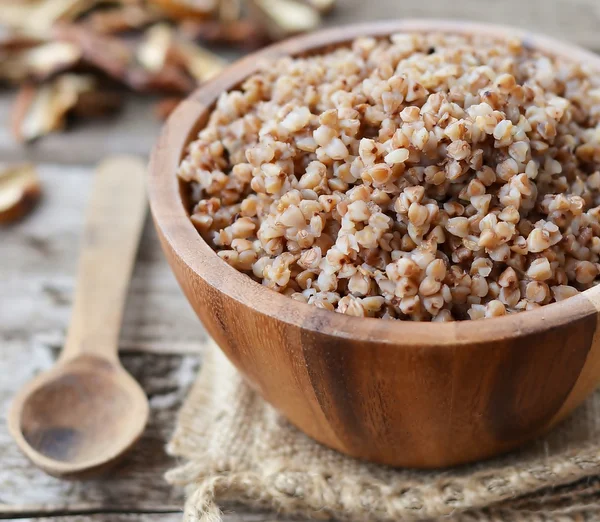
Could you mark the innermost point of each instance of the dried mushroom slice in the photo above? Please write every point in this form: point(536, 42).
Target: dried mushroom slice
point(42, 109)
point(13, 41)
point(186, 9)
point(20, 17)
point(37, 18)
point(140, 70)
point(34, 112)
point(20, 190)
point(121, 19)
point(169, 79)
point(323, 6)
point(156, 70)
point(162, 55)
point(49, 58)
point(245, 33)
point(39, 62)
point(97, 103)
point(152, 53)
point(63, 10)
point(200, 63)
point(110, 55)
point(230, 10)
point(283, 18)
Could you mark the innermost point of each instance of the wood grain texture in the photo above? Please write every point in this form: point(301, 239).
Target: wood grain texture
point(400, 393)
point(588, 378)
point(116, 212)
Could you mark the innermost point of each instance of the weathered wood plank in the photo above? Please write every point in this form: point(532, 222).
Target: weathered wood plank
point(39, 257)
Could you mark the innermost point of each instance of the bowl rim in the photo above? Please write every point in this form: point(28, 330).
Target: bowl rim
point(173, 224)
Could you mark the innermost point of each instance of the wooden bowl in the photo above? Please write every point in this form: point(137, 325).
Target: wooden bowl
point(400, 393)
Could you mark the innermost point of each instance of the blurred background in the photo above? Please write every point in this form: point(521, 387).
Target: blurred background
point(81, 80)
point(103, 74)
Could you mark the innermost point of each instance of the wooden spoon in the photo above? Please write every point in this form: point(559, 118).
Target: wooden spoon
point(81, 415)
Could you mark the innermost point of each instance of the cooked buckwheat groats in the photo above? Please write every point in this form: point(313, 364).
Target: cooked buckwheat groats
point(431, 177)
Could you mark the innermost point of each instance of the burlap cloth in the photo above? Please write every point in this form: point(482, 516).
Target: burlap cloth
point(234, 448)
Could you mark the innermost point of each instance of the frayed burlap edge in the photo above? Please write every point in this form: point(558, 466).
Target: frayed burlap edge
point(215, 474)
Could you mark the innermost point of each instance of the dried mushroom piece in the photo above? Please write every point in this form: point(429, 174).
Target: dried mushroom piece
point(39, 62)
point(169, 79)
point(97, 103)
point(110, 55)
point(230, 10)
point(34, 113)
point(62, 10)
point(145, 69)
point(153, 51)
point(121, 19)
point(20, 190)
point(42, 109)
point(38, 17)
point(162, 54)
point(323, 6)
point(156, 70)
point(246, 33)
point(185, 9)
point(283, 18)
point(20, 16)
point(200, 63)
point(13, 41)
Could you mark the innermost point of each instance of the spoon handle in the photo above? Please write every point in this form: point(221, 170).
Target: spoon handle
point(114, 223)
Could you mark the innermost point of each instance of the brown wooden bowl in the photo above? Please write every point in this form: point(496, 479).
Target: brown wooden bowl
point(400, 393)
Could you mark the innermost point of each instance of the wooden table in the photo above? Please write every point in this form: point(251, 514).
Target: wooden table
point(162, 340)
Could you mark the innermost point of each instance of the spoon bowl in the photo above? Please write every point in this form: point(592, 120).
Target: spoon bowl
point(81, 415)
